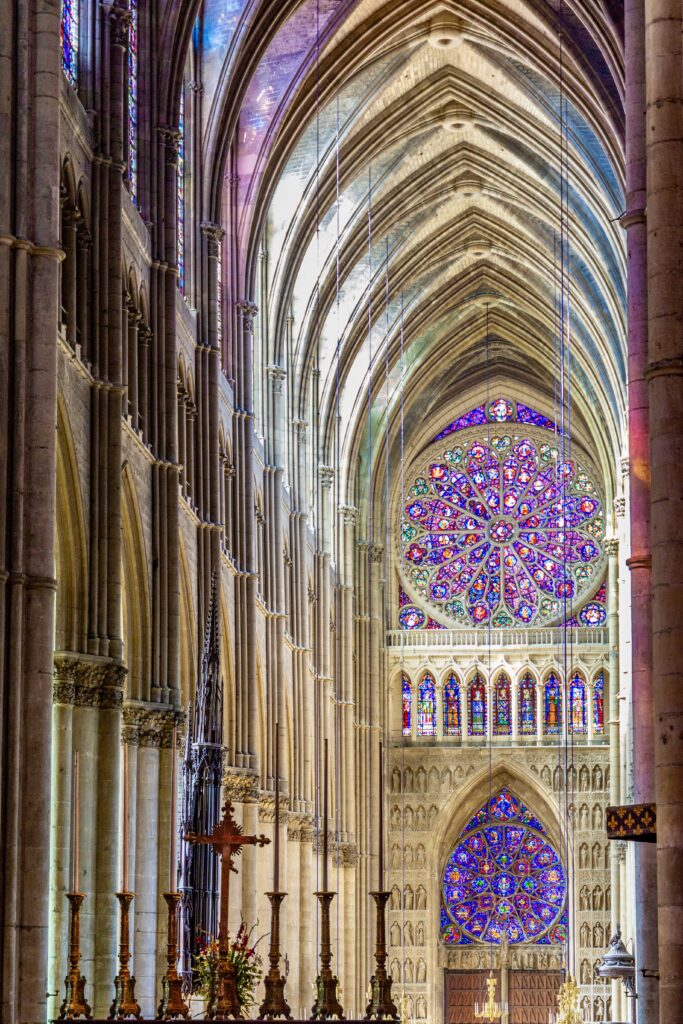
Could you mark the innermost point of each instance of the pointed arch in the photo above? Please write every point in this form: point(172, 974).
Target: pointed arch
point(406, 703)
point(71, 552)
point(477, 709)
point(426, 705)
point(135, 594)
point(452, 721)
point(526, 704)
point(502, 705)
point(552, 704)
point(577, 713)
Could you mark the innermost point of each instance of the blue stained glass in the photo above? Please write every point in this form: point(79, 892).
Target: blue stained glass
point(504, 878)
point(502, 706)
point(406, 698)
point(599, 704)
point(527, 705)
point(426, 707)
point(552, 705)
point(133, 99)
point(578, 722)
point(181, 191)
point(411, 617)
point(476, 707)
point(496, 533)
point(69, 36)
point(501, 410)
point(451, 707)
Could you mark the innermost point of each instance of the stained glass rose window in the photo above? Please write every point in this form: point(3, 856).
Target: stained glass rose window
point(501, 530)
point(504, 877)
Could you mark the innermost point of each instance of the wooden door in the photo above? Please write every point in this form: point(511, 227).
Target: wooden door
point(531, 994)
point(462, 989)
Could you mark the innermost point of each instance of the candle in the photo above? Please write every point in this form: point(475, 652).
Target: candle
point(74, 836)
point(124, 886)
point(381, 818)
point(171, 856)
point(325, 797)
point(276, 837)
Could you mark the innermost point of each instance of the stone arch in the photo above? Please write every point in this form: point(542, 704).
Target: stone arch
point(71, 553)
point(135, 594)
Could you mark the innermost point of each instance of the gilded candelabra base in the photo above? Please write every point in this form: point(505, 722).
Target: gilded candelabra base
point(274, 1004)
point(172, 1005)
point(327, 1003)
point(74, 1004)
point(381, 1005)
point(224, 1003)
point(124, 1004)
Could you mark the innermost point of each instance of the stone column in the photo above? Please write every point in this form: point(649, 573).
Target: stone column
point(664, 94)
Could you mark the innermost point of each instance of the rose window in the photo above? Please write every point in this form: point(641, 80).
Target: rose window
point(502, 531)
point(504, 877)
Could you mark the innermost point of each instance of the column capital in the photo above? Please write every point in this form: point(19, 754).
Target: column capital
point(119, 21)
point(170, 138)
point(301, 428)
point(214, 235)
point(611, 546)
point(349, 514)
point(147, 725)
point(620, 507)
point(248, 309)
point(88, 681)
point(277, 375)
point(326, 476)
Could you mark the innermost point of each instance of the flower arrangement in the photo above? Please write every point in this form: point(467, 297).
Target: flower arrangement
point(242, 955)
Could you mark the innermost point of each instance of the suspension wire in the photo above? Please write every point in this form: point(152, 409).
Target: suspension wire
point(371, 541)
point(403, 640)
point(489, 690)
point(339, 569)
point(315, 409)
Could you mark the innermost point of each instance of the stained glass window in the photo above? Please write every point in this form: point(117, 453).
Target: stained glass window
point(501, 532)
point(501, 410)
point(133, 99)
point(527, 705)
point(69, 36)
point(219, 293)
point(181, 191)
point(577, 704)
point(502, 706)
point(406, 692)
point(552, 705)
point(451, 707)
point(476, 707)
point(504, 878)
point(599, 704)
point(426, 706)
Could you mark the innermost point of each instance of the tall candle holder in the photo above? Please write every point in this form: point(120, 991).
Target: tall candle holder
point(172, 1004)
point(74, 1004)
point(381, 1006)
point(274, 1004)
point(124, 1004)
point(326, 983)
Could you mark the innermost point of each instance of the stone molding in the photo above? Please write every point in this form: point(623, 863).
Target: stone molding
point(241, 785)
point(87, 681)
point(149, 725)
point(521, 958)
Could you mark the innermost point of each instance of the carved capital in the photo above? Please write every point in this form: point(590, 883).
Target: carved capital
point(277, 376)
point(248, 311)
point(119, 23)
point(241, 785)
point(349, 514)
point(620, 507)
point(214, 235)
point(171, 139)
point(611, 546)
point(301, 828)
point(148, 725)
point(86, 681)
point(195, 87)
point(375, 553)
point(300, 428)
point(326, 475)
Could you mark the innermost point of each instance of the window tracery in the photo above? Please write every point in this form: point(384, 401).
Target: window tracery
point(578, 722)
point(451, 707)
point(552, 703)
point(501, 531)
point(504, 877)
point(502, 706)
point(527, 705)
point(476, 706)
point(406, 697)
point(599, 704)
point(426, 706)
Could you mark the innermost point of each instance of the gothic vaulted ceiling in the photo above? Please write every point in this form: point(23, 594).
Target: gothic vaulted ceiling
point(432, 184)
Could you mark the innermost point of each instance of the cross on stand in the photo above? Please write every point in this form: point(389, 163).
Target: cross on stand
point(227, 840)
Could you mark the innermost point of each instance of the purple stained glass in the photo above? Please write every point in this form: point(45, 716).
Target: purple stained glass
point(504, 878)
point(133, 99)
point(552, 705)
point(501, 532)
point(476, 707)
point(426, 706)
point(411, 617)
point(527, 705)
point(406, 700)
point(599, 704)
point(181, 192)
point(451, 707)
point(577, 704)
point(502, 706)
point(69, 24)
point(501, 410)
point(471, 419)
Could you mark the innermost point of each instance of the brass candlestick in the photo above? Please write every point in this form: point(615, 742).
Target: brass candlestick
point(274, 1004)
point(172, 1004)
point(381, 1005)
point(326, 1004)
point(74, 1004)
point(124, 1004)
point(224, 1002)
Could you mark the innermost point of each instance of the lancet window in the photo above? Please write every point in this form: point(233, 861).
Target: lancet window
point(406, 698)
point(476, 706)
point(578, 722)
point(451, 707)
point(426, 706)
point(69, 26)
point(552, 705)
point(599, 704)
point(527, 705)
point(181, 192)
point(132, 86)
point(502, 706)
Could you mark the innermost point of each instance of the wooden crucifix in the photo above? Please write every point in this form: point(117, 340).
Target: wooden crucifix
point(227, 840)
